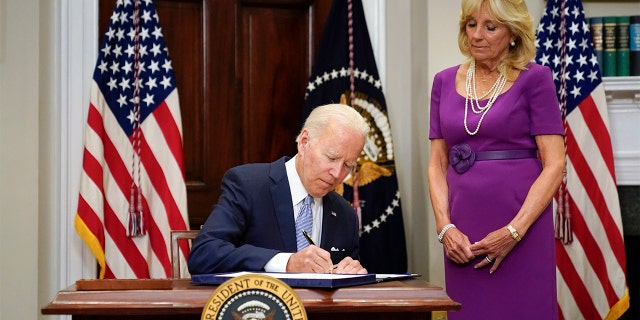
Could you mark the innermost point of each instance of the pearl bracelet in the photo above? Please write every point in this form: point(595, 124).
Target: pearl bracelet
point(444, 229)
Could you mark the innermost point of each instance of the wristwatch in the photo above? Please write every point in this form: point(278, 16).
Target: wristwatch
point(514, 233)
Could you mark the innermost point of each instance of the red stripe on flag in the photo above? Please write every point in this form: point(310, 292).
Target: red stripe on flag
point(116, 167)
point(592, 251)
point(108, 273)
point(93, 169)
point(91, 165)
point(160, 184)
point(95, 121)
point(574, 283)
point(560, 315)
point(590, 184)
point(91, 220)
point(157, 241)
point(170, 131)
point(128, 249)
point(599, 131)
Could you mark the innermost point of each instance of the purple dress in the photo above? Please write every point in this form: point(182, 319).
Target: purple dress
point(490, 193)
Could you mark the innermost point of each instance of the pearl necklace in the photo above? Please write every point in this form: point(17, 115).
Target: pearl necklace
point(472, 94)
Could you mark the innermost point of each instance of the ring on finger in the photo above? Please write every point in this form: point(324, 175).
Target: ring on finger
point(489, 260)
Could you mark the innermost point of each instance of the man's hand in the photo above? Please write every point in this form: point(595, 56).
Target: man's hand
point(310, 259)
point(348, 265)
point(457, 246)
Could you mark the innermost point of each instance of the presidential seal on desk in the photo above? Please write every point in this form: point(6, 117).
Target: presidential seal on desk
point(254, 297)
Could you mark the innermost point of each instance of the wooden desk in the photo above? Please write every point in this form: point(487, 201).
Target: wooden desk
point(404, 299)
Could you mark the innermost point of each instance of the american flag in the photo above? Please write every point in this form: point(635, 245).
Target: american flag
point(132, 188)
point(590, 249)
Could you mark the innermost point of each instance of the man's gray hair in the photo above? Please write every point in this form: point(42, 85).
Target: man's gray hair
point(322, 116)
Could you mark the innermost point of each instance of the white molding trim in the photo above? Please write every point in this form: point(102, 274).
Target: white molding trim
point(2, 29)
point(374, 12)
point(623, 101)
point(78, 46)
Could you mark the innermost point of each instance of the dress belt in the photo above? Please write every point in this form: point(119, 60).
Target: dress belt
point(462, 157)
point(506, 154)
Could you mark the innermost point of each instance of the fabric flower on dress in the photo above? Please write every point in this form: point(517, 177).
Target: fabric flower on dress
point(461, 157)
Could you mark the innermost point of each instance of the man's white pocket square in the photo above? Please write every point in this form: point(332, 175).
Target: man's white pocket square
point(336, 249)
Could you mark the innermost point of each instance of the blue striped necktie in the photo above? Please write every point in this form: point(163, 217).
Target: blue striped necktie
point(304, 222)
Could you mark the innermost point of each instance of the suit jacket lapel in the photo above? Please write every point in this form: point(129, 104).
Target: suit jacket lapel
point(329, 219)
point(282, 204)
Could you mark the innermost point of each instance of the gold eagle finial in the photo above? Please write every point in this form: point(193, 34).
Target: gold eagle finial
point(368, 172)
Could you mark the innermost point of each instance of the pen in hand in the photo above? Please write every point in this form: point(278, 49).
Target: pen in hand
point(306, 235)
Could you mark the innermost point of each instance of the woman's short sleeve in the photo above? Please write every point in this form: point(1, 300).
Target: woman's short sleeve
point(546, 117)
point(434, 112)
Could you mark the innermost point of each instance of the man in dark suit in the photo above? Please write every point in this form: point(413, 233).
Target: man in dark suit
point(254, 225)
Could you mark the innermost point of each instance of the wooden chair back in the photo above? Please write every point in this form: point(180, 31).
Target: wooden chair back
point(176, 237)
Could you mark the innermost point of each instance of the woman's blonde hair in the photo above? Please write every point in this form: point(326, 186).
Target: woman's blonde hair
point(515, 16)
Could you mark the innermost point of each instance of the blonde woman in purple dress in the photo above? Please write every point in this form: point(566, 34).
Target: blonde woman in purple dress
point(497, 159)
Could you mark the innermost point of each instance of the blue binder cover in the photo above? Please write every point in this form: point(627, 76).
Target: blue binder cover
point(294, 280)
